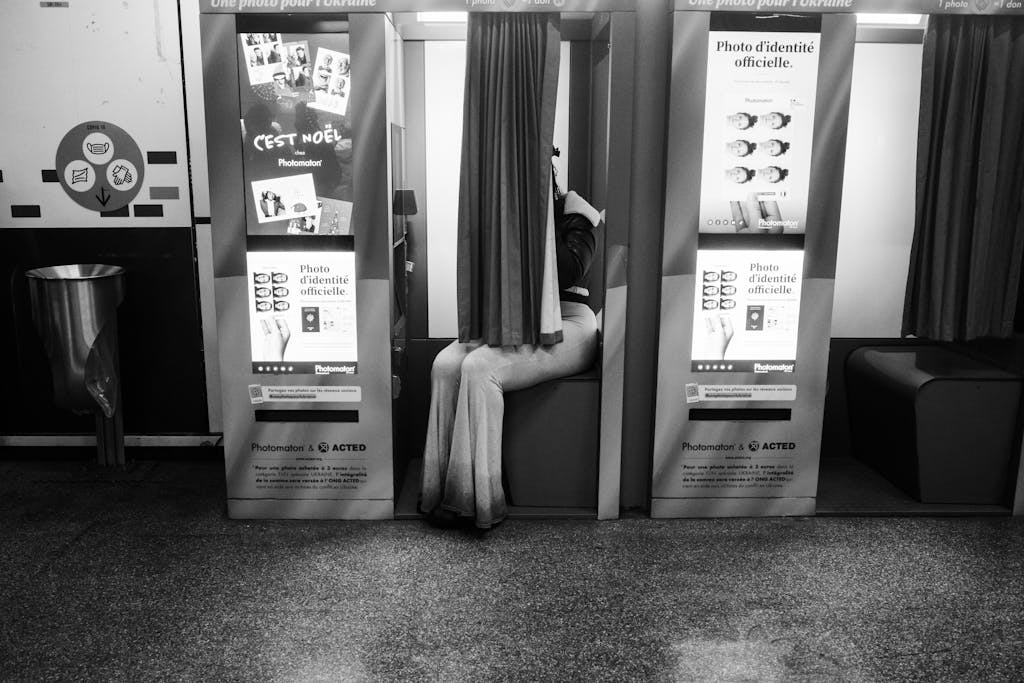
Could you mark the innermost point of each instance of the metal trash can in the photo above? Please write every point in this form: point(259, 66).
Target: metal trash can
point(75, 311)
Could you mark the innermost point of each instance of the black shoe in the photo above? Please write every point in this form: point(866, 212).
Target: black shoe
point(483, 531)
point(444, 519)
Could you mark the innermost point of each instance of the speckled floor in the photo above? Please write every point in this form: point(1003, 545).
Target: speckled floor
point(141, 577)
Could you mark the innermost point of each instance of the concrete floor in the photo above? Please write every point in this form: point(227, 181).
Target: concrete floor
point(139, 576)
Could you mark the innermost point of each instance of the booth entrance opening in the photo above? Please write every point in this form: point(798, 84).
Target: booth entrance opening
point(783, 274)
point(333, 243)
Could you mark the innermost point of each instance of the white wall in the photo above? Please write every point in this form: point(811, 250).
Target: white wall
point(877, 223)
point(444, 68)
point(118, 62)
point(192, 56)
point(561, 133)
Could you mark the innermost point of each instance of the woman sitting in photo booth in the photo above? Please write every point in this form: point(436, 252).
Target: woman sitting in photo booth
point(461, 481)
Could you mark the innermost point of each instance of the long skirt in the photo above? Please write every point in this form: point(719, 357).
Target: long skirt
point(462, 454)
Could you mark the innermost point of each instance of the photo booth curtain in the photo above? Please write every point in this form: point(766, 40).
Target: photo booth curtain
point(506, 279)
point(965, 266)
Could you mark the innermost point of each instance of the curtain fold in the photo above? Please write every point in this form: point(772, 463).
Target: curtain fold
point(504, 190)
point(965, 263)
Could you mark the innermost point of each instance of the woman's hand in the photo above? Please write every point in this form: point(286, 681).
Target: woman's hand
point(719, 334)
point(275, 338)
point(748, 216)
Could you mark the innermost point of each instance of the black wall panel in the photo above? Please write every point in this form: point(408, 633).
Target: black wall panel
point(159, 329)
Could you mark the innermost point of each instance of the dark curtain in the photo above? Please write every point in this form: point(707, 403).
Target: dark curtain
point(965, 264)
point(508, 124)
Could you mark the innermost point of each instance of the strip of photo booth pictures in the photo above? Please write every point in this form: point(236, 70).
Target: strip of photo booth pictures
point(264, 56)
point(331, 80)
point(296, 72)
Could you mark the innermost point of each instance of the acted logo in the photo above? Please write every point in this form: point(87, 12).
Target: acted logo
point(347, 447)
point(774, 446)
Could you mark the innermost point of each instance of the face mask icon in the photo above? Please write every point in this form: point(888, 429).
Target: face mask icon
point(97, 148)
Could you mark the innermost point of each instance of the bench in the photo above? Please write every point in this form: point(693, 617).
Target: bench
point(550, 442)
point(938, 424)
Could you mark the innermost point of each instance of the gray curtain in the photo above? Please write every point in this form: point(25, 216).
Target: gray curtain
point(965, 266)
point(508, 123)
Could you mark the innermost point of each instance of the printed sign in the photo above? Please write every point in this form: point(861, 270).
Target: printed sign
point(295, 97)
point(698, 393)
point(302, 308)
point(290, 469)
point(756, 468)
point(331, 81)
point(302, 394)
point(100, 166)
point(746, 310)
point(758, 127)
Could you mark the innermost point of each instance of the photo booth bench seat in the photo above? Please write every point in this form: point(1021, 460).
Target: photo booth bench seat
point(938, 424)
point(550, 442)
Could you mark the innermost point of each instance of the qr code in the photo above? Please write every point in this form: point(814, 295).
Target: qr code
point(255, 393)
point(692, 393)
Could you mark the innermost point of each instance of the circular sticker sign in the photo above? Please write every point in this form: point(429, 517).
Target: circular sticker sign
point(100, 166)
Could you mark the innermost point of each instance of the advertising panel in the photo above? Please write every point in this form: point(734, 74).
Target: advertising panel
point(758, 124)
point(747, 276)
point(300, 234)
point(746, 310)
point(302, 306)
point(294, 92)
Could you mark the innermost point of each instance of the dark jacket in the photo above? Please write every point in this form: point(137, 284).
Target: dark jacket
point(575, 243)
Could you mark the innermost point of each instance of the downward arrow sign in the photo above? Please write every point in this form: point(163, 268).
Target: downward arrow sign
point(103, 197)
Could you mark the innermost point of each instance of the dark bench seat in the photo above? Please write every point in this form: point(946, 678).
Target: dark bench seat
point(550, 442)
point(939, 424)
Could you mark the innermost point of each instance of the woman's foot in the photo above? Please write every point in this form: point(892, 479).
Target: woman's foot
point(482, 530)
point(444, 519)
